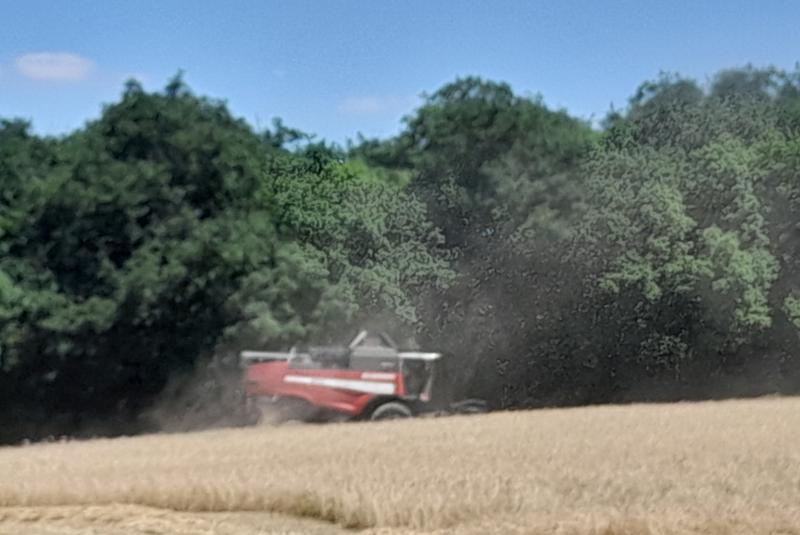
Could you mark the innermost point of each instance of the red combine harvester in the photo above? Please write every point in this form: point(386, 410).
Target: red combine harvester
point(370, 379)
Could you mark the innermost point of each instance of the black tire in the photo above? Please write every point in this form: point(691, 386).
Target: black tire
point(392, 410)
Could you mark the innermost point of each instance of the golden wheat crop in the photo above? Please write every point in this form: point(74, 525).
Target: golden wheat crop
point(715, 467)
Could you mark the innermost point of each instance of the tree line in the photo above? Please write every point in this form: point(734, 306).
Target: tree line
point(652, 257)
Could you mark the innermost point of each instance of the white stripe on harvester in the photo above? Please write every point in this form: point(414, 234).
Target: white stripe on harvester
point(369, 387)
point(378, 376)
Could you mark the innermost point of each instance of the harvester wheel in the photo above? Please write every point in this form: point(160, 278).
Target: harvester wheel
point(391, 411)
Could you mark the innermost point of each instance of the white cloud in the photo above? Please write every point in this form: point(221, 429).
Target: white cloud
point(54, 66)
point(376, 105)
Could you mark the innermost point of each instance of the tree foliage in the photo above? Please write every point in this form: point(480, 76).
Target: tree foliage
point(167, 230)
point(555, 263)
point(657, 252)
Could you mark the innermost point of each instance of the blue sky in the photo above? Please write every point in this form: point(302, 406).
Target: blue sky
point(336, 67)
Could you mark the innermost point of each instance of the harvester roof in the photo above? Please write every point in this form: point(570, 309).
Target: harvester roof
point(365, 345)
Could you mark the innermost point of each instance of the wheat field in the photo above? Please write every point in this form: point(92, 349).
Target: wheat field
point(715, 467)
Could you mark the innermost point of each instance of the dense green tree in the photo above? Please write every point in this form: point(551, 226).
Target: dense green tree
point(498, 173)
point(641, 265)
point(483, 156)
point(685, 229)
point(656, 258)
point(166, 231)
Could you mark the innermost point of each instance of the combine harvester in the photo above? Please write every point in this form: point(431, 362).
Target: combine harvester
point(370, 379)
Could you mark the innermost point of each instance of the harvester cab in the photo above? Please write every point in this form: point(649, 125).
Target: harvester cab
point(368, 379)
